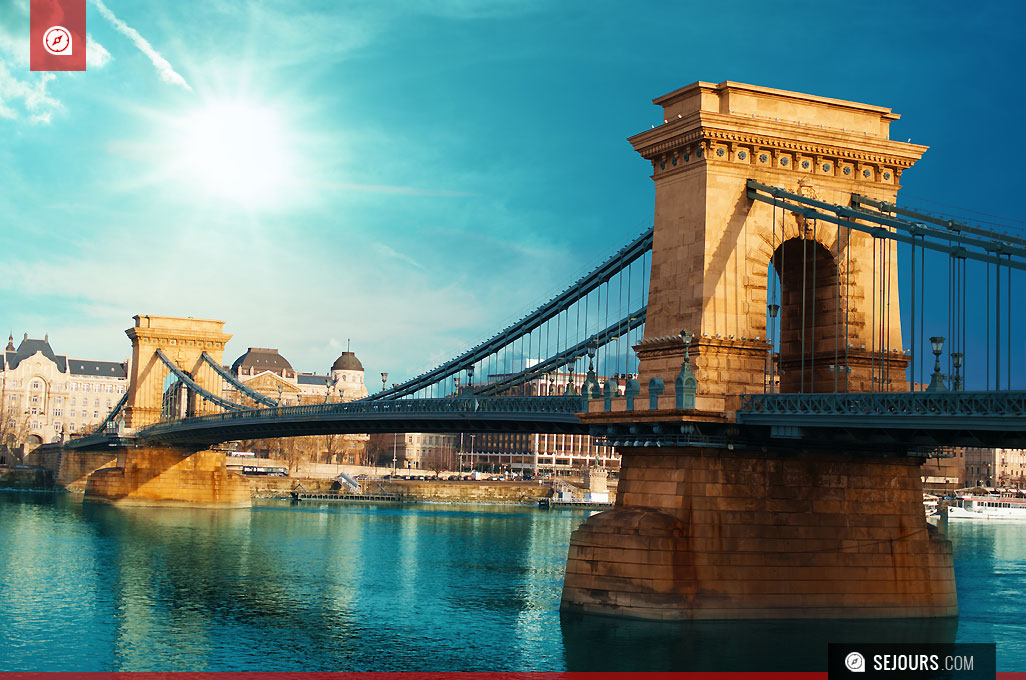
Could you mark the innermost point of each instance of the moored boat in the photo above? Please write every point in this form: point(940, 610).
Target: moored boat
point(990, 508)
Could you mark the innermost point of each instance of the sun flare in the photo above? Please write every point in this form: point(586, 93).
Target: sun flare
point(236, 151)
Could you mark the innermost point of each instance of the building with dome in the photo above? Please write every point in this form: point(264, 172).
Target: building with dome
point(265, 370)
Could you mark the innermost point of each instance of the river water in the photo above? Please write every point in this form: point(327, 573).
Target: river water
point(87, 587)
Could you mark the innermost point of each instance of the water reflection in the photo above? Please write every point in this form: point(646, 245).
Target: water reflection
point(391, 588)
point(597, 643)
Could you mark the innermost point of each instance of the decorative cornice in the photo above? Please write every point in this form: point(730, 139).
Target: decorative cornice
point(694, 138)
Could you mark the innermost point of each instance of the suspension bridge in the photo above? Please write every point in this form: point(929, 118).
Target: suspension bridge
point(746, 355)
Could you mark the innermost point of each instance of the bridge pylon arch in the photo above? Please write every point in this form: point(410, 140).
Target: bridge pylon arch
point(183, 340)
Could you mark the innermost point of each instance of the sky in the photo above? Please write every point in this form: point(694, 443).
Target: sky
point(410, 177)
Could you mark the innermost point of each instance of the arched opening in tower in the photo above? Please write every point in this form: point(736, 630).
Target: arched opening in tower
point(810, 319)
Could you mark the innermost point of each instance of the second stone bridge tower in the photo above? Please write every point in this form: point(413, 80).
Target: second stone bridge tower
point(832, 301)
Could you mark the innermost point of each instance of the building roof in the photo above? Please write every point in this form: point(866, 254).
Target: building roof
point(262, 359)
point(347, 362)
point(30, 346)
point(109, 369)
point(311, 379)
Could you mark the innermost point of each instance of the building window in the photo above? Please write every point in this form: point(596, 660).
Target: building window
point(58, 412)
point(74, 387)
point(85, 387)
point(35, 399)
point(58, 400)
point(57, 427)
point(96, 414)
point(35, 385)
point(71, 426)
point(108, 388)
point(34, 411)
point(96, 402)
point(72, 414)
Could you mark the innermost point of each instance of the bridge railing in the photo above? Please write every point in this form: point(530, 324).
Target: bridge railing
point(454, 405)
point(889, 404)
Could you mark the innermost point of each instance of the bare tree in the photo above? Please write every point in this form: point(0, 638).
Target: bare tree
point(332, 445)
point(14, 428)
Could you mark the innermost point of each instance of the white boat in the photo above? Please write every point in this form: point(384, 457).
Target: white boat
point(988, 508)
point(930, 504)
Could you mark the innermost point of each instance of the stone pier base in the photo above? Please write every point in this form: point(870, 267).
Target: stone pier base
point(168, 476)
point(715, 534)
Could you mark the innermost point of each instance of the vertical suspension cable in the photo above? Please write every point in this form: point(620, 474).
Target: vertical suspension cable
point(605, 347)
point(912, 279)
point(1009, 324)
point(961, 316)
point(872, 326)
point(837, 308)
point(767, 366)
point(815, 257)
point(847, 303)
point(922, 311)
point(997, 323)
point(627, 351)
point(805, 270)
point(887, 322)
point(951, 311)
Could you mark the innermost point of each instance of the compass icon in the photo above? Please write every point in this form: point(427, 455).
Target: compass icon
point(57, 41)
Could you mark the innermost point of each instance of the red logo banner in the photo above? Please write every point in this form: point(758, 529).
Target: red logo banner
point(57, 31)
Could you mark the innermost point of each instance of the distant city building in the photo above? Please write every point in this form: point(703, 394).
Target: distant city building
point(266, 371)
point(995, 467)
point(47, 395)
point(415, 450)
point(558, 454)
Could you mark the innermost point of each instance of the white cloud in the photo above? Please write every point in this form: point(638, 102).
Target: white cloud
point(26, 96)
point(97, 55)
point(164, 69)
point(21, 95)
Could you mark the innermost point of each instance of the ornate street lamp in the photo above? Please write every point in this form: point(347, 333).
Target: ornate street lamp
point(686, 337)
point(384, 379)
point(956, 360)
point(936, 380)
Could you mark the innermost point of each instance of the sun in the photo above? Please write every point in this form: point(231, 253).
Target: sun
point(235, 151)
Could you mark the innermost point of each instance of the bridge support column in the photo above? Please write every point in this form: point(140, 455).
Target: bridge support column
point(702, 533)
point(155, 475)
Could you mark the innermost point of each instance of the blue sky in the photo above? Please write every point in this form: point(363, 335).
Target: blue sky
point(427, 171)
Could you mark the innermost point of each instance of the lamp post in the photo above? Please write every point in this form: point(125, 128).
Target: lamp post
point(773, 310)
point(384, 379)
point(936, 380)
point(395, 446)
point(456, 381)
point(686, 337)
point(956, 381)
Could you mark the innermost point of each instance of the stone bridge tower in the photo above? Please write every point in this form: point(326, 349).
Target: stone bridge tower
point(747, 525)
point(183, 341)
point(837, 290)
